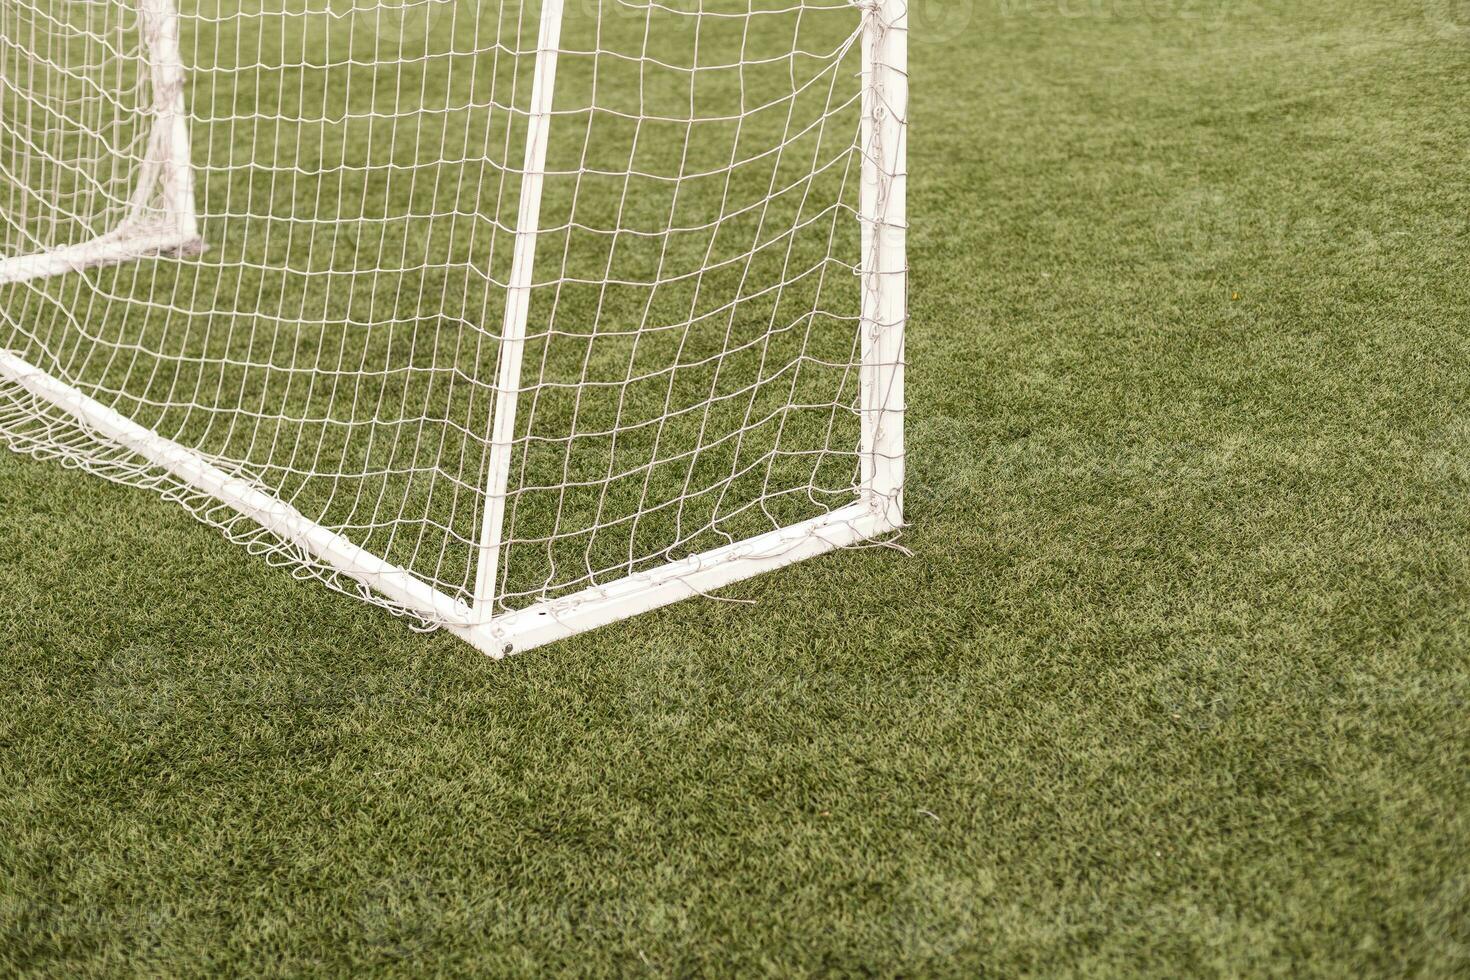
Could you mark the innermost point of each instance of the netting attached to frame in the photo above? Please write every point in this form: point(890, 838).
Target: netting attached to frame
point(520, 299)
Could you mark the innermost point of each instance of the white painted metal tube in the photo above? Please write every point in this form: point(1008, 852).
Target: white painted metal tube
point(275, 515)
point(161, 216)
point(123, 245)
point(169, 144)
point(511, 633)
point(517, 309)
point(884, 214)
point(697, 575)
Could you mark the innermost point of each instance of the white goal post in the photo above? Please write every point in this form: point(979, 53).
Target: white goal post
point(517, 317)
point(159, 216)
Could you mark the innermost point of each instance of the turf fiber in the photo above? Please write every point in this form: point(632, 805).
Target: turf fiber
point(1175, 682)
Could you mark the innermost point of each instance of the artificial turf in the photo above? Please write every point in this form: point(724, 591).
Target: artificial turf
point(1175, 682)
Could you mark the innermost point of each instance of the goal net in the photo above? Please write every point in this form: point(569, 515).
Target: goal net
point(517, 317)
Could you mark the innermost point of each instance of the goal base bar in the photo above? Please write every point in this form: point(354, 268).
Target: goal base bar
point(556, 619)
point(280, 518)
point(122, 245)
point(509, 633)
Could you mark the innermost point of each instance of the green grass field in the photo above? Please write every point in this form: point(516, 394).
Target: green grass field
point(1175, 683)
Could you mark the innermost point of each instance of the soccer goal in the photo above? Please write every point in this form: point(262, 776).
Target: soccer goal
point(517, 317)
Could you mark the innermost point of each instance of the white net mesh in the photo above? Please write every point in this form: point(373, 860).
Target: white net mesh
point(690, 371)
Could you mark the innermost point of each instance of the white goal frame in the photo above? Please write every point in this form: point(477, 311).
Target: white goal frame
point(165, 175)
point(161, 219)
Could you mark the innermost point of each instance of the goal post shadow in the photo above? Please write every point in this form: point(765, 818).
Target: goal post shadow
point(161, 219)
